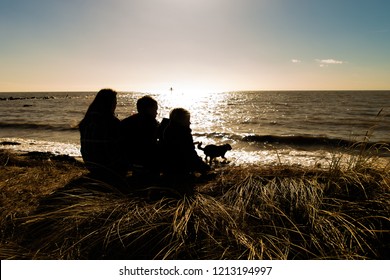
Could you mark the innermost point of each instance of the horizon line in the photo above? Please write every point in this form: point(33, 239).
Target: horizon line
point(223, 91)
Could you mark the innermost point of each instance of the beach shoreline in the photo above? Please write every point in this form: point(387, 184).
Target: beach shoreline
point(267, 154)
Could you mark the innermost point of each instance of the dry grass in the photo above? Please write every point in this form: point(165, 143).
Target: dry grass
point(25, 179)
point(51, 211)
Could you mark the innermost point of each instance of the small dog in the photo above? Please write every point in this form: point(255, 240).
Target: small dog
point(214, 151)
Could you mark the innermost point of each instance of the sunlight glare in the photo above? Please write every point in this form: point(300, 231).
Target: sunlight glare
point(201, 103)
point(185, 96)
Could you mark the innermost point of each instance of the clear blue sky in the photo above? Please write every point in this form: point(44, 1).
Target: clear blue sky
point(215, 45)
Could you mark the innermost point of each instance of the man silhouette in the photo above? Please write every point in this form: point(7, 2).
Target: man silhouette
point(139, 136)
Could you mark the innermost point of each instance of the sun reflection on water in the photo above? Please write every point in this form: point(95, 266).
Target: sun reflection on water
point(202, 105)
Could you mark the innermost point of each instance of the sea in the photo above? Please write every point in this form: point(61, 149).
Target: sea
point(263, 127)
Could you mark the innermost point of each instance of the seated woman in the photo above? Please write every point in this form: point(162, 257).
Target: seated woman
point(99, 137)
point(180, 159)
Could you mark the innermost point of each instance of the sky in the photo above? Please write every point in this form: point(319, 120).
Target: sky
point(194, 45)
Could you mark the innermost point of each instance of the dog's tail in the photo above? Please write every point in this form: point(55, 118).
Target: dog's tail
point(200, 146)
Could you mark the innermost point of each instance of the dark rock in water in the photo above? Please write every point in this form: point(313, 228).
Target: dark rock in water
point(11, 98)
point(9, 143)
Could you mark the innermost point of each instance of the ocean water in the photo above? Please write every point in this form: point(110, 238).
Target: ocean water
point(265, 127)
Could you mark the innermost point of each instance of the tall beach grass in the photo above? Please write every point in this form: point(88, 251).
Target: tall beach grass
point(51, 210)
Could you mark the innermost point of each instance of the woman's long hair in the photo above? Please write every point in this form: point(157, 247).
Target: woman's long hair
point(104, 103)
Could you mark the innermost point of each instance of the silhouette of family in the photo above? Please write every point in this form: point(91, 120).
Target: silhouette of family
point(139, 143)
